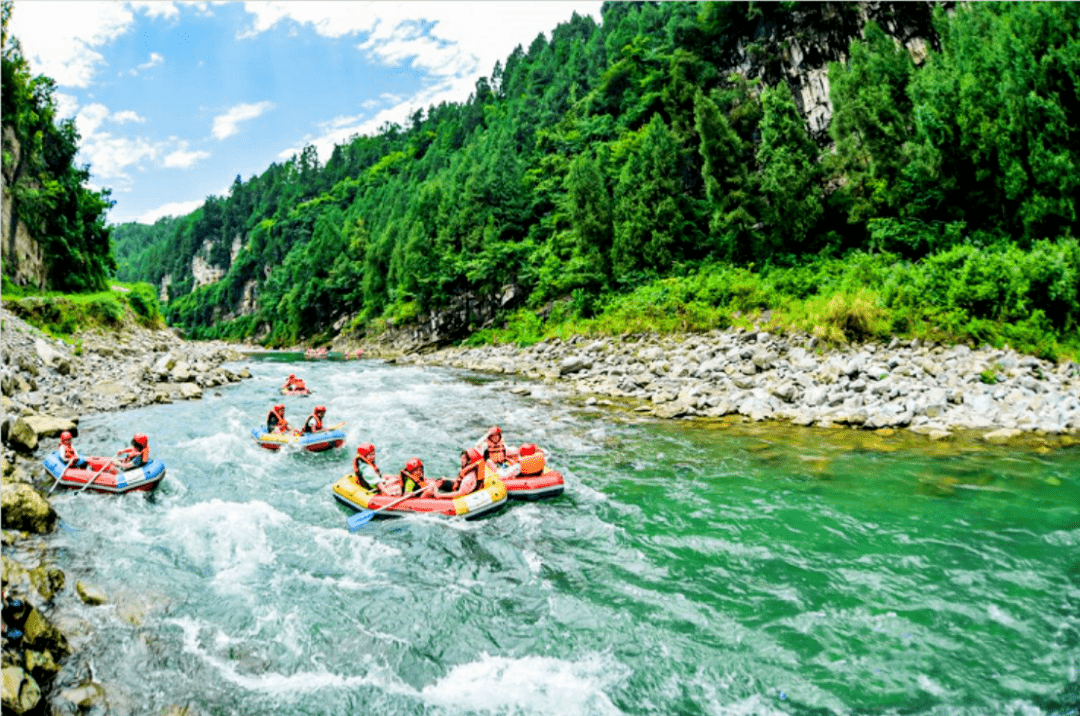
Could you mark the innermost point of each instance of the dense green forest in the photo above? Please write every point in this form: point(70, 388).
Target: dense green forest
point(45, 185)
point(660, 160)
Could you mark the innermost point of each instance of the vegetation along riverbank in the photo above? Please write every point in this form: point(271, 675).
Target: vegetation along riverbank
point(858, 215)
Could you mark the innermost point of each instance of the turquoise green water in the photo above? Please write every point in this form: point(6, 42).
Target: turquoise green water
point(686, 570)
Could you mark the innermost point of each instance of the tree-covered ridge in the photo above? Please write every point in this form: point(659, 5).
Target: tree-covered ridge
point(663, 142)
point(47, 189)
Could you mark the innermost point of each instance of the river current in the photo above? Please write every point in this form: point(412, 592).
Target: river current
point(687, 569)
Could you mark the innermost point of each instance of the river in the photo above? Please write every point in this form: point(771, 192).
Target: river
point(687, 569)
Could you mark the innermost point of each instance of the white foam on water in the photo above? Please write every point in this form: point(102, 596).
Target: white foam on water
point(1000, 616)
point(274, 683)
point(531, 684)
point(229, 538)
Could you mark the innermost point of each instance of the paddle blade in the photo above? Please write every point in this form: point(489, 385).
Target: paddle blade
point(359, 520)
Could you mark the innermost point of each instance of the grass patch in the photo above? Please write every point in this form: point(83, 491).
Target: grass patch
point(63, 314)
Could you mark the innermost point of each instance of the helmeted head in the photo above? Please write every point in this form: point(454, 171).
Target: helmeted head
point(320, 410)
point(292, 376)
point(65, 437)
point(473, 455)
point(280, 410)
point(367, 450)
point(527, 449)
point(414, 466)
point(140, 440)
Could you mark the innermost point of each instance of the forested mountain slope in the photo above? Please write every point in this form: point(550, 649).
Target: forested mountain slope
point(881, 141)
point(54, 232)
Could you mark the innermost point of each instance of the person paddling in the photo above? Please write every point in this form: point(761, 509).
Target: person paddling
point(71, 457)
point(293, 383)
point(314, 423)
point(138, 454)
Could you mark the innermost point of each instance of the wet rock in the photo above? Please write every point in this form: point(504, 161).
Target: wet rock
point(90, 594)
point(42, 635)
point(48, 580)
point(21, 692)
point(25, 509)
point(86, 696)
point(21, 436)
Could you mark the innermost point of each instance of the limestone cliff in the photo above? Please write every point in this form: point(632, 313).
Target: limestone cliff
point(23, 260)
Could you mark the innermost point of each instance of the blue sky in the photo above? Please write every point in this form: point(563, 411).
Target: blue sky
point(174, 100)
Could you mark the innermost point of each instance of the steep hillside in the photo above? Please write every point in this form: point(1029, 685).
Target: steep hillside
point(54, 232)
point(671, 138)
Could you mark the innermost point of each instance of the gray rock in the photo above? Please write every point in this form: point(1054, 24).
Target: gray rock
point(20, 692)
point(21, 436)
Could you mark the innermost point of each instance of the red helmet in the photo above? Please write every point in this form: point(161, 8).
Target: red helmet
point(527, 449)
point(279, 409)
point(65, 437)
point(366, 449)
point(292, 375)
point(320, 410)
point(495, 430)
point(474, 455)
point(140, 440)
point(413, 465)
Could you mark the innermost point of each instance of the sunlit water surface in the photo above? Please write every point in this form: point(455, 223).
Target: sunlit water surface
point(686, 570)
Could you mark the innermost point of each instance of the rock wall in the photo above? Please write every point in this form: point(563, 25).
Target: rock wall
point(24, 262)
point(202, 270)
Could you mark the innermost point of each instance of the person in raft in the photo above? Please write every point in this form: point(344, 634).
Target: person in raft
point(293, 383)
point(412, 479)
point(367, 473)
point(275, 420)
point(469, 479)
point(500, 459)
point(71, 457)
point(314, 422)
point(137, 455)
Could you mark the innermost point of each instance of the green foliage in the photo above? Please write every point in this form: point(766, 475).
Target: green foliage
point(622, 178)
point(47, 188)
point(64, 314)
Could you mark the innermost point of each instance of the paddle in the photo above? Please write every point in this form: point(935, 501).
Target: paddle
point(362, 518)
point(93, 479)
point(61, 478)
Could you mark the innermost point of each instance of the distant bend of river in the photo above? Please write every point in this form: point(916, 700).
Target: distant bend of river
point(686, 570)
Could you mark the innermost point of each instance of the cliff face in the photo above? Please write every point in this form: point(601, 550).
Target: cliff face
point(797, 49)
point(23, 259)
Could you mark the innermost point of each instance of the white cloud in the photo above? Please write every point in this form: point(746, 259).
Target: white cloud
point(66, 105)
point(183, 159)
point(126, 115)
point(90, 118)
point(155, 60)
point(58, 38)
point(452, 43)
point(173, 208)
point(225, 124)
point(157, 9)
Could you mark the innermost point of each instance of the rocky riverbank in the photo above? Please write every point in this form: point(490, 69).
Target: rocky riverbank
point(933, 390)
point(47, 385)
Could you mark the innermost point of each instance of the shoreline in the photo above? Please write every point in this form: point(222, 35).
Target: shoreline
point(934, 391)
point(47, 386)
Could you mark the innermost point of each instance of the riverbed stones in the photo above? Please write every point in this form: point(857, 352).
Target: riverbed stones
point(45, 426)
point(930, 389)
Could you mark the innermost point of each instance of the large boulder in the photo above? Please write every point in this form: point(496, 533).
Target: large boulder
point(42, 635)
point(46, 426)
point(21, 436)
point(25, 509)
point(21, 693)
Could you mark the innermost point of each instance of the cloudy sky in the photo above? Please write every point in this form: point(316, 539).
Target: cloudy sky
point(174, 100)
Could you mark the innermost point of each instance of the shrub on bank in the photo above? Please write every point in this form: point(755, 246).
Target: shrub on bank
point(62, 314)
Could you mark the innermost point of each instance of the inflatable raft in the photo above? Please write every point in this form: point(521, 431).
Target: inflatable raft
point(295, 391)
point(489, 499)
point(139, 479)
point(548, 483)
point(312, 442)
